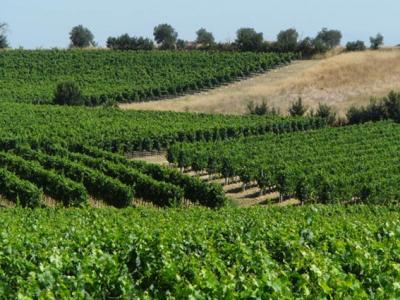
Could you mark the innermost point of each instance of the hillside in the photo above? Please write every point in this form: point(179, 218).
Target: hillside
point(341, 81)
point(124, 76)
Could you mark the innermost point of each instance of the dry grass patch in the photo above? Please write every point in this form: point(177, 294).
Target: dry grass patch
point(342, 80)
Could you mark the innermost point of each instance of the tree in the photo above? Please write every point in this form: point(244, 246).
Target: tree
point(125, 42)
point(3, 37)
point(355, 46)
point(297, 108)
point(204, 38)
point(68, 93)
point(81, 37)
point(166, 36)
point(331, 38)
point(376, 41)
point(249, 40)
point(287, 40)
point(181, 44)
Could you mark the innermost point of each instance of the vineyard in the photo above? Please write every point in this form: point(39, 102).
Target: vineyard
point(330, 252)
point(71, 176)
point(124, 76)
point(351, 164)
point(118, 131)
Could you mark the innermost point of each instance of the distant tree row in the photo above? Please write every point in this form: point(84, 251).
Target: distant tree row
point(376, 42)
point(247, 39)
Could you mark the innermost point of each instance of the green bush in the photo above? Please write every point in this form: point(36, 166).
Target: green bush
point(356, 46)
point(68, 93)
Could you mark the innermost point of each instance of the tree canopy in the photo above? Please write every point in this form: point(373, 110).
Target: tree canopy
point(166, 36)
point(81, 37)
point(249, 40)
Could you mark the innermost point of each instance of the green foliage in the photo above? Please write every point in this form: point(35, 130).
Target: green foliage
point(126, 131)
point(97, 184)
point(376, 42)
point(68, 93)
point(166, 36)
point(81, 37)
point(195, 190)
point(315, 252)
point(3, 36)
point(331, 38)
point(326, 112)
point(247, 39)
point(204, 38)
point(297, 108)
point(356, 46)
point(384, 109)
point(56, 186)
point(343, 164)
point(125, 42)
point(262, 109)
point(124, 76)
point(287, 40)
point(18, 190)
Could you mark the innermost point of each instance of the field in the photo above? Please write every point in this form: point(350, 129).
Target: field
point(340, 80)
point(305, 252)
point(332, 165)
point(130, 76)
point(83, 220)
point(118, 131)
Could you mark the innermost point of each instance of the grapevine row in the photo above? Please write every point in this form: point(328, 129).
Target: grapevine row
point(349, 164)
point(53, 184)
point(124, 76)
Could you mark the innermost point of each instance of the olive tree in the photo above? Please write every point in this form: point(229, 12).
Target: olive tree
point(331, 38)
point(247, 39)
point(81, 37)
point(287, 40)
point(165, 36)
point(376, 41)
point(204, 38)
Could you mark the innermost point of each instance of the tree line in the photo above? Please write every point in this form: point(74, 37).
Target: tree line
point(247, 39)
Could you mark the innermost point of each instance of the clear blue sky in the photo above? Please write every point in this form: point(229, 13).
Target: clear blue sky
point(46, 23)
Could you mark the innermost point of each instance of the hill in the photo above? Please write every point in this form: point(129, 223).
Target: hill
point(124, 76)
point(341, 81)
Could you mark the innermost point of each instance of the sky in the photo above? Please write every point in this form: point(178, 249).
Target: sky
point(47, 23)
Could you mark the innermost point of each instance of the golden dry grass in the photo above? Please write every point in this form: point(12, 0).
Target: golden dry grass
point(340, 80)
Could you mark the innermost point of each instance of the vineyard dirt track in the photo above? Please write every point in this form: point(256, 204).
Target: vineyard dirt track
point(343, 80)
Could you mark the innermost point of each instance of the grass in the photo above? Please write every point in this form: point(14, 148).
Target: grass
point(339, 80)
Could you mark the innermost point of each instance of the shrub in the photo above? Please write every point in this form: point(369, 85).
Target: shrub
point(326, 112)
point(261, 109)
point(297, 108)
point(355, 46)
point(386, 108)
point(68, 93)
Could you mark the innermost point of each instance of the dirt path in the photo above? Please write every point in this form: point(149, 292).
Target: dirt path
point(341, 81)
